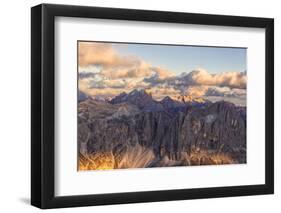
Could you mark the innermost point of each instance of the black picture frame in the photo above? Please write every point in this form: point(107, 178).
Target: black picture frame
point(43, 102)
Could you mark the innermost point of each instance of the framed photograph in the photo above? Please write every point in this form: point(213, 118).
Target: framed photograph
point(139, 106)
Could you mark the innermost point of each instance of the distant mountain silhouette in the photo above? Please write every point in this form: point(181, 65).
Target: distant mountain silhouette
point(82, 96)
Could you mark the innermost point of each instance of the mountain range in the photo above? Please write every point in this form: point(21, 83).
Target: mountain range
point(132, 130)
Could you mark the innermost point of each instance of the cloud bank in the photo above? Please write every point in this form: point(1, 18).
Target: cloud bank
point(226, 79)
point(105, 72)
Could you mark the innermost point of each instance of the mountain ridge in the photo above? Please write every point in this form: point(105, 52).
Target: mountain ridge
point(168, 132)
point(145, 101)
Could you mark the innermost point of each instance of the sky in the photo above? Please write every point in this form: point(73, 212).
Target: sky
point(185, 58)
point(214, 73)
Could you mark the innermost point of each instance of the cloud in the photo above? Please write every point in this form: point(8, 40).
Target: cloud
point(105, 72)
point(202, 77)
point(196, 91)
point(229, 79)
point(161, 92)
point(161, 73)
point(101, 54)
point(105, 92)
point(200, 83)
point(101, 66)
point(199, 91)
point(140, 69)
point(112, 65)
point(85, 75)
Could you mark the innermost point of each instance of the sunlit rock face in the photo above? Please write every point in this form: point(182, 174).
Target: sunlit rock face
point(135, 131)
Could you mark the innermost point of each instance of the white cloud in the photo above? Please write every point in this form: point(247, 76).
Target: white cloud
point(103, 71)
point(229, 79)
point(203, 78)
point(199, 91)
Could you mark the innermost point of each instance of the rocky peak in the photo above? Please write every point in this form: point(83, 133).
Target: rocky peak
point(140, 98)
point(190, 99)
point(167, 99)
point(223, 106)
point(168, 102)
point(139, 92)
point(82, 96)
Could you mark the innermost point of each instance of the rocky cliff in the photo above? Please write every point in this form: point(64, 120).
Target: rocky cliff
point(133, 130)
